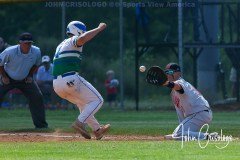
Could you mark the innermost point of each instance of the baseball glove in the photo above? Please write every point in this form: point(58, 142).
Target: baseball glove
point(156, 76)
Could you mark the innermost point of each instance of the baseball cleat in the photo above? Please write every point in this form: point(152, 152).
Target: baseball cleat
point(80, 127)
point(168, 137)
point(172, 137)
point(99, 133)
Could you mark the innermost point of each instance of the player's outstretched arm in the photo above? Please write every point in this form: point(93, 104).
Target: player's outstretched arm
point(173, 85)
point(85, 37)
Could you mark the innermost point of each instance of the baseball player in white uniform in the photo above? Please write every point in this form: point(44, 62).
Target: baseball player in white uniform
point(192, 108)
point(69, 85)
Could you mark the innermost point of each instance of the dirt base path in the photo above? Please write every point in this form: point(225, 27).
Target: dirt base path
point(46, 137)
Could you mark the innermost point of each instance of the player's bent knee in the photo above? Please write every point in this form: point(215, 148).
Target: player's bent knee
point(101, 102)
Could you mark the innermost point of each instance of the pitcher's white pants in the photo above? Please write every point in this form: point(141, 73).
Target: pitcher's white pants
point(77, 90)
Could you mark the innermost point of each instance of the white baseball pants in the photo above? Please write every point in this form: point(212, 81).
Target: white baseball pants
point(192, 124)
point(80, 92)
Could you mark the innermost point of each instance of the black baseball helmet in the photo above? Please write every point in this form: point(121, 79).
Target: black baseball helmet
point(171, 68)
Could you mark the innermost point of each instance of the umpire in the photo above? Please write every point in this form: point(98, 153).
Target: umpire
point(17, 65)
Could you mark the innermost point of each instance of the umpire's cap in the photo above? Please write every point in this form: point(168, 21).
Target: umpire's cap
point(26, 37)
point(173, 66)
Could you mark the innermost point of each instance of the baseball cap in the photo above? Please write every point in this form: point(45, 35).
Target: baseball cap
point(172, 67)
point(26, 37)
point(45, 59)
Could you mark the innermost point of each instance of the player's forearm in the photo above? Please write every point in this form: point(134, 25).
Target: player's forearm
point(173, 85)
point(87, 36)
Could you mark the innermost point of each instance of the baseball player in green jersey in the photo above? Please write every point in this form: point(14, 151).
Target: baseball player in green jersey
point(71, 86)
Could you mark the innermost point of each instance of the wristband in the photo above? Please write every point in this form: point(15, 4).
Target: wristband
point(170, 85)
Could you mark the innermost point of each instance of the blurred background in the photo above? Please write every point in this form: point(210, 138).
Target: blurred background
point(202, 36)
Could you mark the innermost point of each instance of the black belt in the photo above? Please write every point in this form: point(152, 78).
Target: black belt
point(66, 74)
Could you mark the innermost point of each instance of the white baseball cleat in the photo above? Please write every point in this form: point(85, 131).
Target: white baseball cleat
point(80, 127)
point(99, 133)
point(168, 137)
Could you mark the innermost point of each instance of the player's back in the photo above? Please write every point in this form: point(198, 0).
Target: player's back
point(67, 57)
point(191, 101)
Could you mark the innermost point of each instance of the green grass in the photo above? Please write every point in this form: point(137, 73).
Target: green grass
point(167, 150)
point(123, 123)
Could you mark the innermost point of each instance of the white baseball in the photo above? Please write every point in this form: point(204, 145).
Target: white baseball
point(142, 68)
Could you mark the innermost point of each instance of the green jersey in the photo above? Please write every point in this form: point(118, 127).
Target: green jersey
point(67, 57)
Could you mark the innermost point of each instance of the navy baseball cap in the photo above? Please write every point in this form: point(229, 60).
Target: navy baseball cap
point(172, 67)
point(26, 37)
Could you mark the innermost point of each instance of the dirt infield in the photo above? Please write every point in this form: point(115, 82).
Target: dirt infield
point(70, 137)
